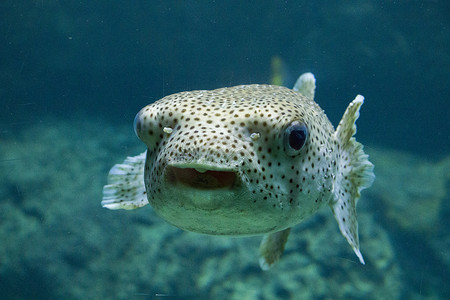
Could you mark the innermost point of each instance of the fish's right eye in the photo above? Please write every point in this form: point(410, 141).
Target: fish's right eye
point(295, 137)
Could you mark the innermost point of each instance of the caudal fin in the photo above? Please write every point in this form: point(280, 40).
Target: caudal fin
point(355, 173)
point(126, 188)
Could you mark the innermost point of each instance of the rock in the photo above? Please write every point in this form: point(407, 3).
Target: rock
point(412, 190)
point(62, 244)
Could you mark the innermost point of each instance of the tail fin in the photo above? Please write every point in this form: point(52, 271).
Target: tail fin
point(125, 188)
point(355, 173)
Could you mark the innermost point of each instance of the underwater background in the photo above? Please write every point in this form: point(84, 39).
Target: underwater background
point(73, 74)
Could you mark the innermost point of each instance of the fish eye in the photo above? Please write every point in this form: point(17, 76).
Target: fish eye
point(295, 137)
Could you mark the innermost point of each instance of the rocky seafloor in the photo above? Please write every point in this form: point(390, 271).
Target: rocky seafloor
point(56, 242)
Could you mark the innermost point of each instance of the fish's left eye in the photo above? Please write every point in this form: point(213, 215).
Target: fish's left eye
point(295, 137)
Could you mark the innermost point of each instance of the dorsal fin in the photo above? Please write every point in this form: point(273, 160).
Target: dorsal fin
point(306, 85)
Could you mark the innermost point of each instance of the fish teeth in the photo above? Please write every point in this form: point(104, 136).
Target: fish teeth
point(200, 170)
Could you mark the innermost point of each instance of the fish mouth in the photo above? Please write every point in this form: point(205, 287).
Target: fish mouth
point(202, 178)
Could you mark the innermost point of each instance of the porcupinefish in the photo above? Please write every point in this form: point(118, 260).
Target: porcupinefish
point(245, 160)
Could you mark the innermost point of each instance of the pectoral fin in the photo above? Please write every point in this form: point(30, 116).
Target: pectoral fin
point(355, 174)
point(126, 188)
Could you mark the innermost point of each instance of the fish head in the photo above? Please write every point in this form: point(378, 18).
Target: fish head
point(243, 160)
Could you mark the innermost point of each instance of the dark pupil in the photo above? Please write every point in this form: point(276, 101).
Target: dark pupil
point(297, 138)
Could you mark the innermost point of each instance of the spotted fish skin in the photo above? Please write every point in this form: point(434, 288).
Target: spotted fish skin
point(224, 162)
point(213, 130)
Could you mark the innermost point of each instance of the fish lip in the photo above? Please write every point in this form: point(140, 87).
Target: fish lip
point(201, 176)
point(197, 165)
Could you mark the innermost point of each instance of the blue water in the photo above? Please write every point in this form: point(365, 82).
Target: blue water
point(74, 73)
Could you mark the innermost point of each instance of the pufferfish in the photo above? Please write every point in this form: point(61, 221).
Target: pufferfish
point(245, 160)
